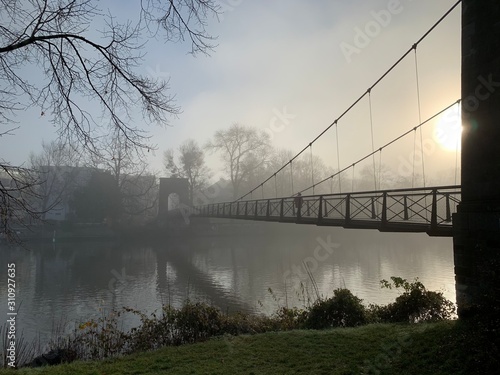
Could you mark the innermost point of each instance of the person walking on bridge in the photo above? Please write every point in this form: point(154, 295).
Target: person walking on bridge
point(297, 202)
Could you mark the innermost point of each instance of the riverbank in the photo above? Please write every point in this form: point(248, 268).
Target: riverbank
point(431, 348)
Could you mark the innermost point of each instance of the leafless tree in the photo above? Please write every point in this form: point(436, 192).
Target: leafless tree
point(243, 150)
point(138, 187)
point(190, 164)
point(54, 58)
point(17, 196)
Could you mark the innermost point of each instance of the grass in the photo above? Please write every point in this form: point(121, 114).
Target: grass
point(431, 348)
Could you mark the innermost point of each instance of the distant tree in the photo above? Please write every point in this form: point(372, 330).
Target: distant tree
point(190, 164)
point(137, 186)
point(279, 158)
point(243, 150)
point(77, 55)
point(303, 173)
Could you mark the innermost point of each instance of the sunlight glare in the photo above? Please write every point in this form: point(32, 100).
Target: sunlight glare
point(448, 130)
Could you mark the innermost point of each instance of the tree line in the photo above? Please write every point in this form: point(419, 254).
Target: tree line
point(248, 158)
point(60, 57)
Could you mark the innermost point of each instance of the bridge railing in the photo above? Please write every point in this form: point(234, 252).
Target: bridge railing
point(430, 207)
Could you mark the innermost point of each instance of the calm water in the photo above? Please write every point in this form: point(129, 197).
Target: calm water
point(73, 282)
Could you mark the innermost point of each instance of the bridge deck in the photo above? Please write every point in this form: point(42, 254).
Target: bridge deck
point(427, 210)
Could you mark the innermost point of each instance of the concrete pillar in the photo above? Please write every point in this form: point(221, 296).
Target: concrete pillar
point(476, 225)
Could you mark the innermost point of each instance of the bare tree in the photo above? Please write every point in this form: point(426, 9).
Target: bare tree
point(72, 66)
point(18, 192)
point(190, 164)
point(243, 151)
point(137, 186)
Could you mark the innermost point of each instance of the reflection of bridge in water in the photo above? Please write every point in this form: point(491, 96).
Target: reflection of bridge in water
point(176, 254)
point(426, 210)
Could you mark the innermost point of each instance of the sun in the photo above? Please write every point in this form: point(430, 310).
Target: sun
point(448, 130)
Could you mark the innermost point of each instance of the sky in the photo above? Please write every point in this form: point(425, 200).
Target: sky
point(290, 68)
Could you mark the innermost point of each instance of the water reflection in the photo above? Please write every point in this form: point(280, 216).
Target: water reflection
point(78, 281)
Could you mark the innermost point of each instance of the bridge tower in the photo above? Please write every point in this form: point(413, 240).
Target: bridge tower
point(476, 225)
point(180, 186)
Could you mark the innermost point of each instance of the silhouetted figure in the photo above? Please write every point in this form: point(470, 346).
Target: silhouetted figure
point(298, 204)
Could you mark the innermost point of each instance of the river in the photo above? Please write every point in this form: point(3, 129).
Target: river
point(255, 271)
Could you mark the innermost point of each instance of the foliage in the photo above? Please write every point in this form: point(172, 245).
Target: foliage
point(342, 310)
point(390, 349)
point(101, 338)
point(415, 304)
point(290, 318)
point(195, 322)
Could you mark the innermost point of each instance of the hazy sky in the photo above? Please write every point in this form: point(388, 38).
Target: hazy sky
point(285, 66)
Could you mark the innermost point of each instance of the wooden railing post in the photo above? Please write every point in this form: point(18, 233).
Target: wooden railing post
point(268, 212)
point(281, 208)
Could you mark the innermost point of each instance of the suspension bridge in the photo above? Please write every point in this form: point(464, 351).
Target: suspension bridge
point(426, 209)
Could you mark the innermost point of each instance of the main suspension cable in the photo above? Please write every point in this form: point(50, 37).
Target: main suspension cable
point(365, 93)
point(386, 145)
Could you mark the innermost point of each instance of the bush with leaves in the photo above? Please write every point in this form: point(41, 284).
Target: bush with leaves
point(101, 338)
point(342, 310)
point(415, 304)
point(199, 321)
point(288, 318)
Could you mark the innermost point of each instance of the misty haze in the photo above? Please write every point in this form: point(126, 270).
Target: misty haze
point(214, 172)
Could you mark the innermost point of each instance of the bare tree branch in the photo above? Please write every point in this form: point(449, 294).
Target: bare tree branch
point(52, 57)
point(243, 150)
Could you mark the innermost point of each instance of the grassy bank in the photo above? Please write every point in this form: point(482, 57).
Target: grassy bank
point(431, 348)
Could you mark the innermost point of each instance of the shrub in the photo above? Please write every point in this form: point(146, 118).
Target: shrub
point(239, 323)
point(415, 304)
point(290, 318)
point(101, 338)
point(198, 321)
point(342, 310)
